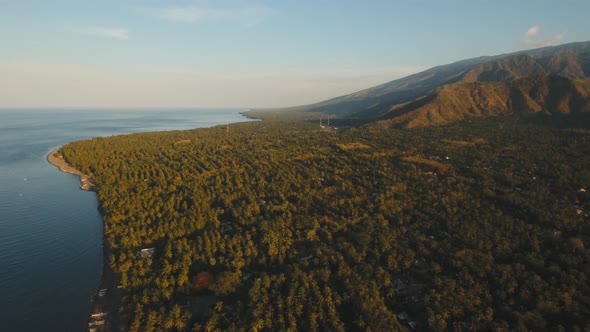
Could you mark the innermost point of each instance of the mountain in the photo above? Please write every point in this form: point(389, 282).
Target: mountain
point(538, 94)
point(519, 66)
point(450, 91)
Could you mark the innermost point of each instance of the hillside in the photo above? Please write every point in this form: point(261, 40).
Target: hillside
point(546, 94)
point(520, 66)
point(569, 60)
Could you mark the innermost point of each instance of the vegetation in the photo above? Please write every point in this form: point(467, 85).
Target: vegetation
point(275, 226)
point(535, 94)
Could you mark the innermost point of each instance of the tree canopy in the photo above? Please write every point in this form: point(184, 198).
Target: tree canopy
point(474, 226)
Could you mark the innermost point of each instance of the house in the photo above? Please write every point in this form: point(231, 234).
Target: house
point(226, 228)
point(202, 280)
point(306, 258)
point(147, 252)
point(304, 254)
point(399, 286)
point(98, 315)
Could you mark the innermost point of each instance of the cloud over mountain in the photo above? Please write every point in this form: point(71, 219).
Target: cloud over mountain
point(531, 38)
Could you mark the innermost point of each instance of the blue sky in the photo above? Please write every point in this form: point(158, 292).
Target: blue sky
point(242, 53)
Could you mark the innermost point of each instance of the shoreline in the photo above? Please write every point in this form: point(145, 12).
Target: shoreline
point(58, 161)
point(106, 307)
point(102, 313)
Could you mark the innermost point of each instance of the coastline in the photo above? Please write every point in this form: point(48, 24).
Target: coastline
point(102, 314)
point(106, 301)
point(58, 161)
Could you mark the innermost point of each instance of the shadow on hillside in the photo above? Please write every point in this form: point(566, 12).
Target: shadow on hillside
point(580, 120)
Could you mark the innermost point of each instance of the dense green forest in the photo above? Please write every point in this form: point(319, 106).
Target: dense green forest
point(280, 226)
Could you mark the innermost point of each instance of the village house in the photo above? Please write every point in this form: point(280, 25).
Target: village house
point(147, 252)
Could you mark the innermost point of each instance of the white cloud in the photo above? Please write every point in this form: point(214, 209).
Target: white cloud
point(104, 32)
point(531, 38)
point(248, 15)
point(532, 31)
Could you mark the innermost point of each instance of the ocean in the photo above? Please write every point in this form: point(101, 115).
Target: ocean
point(50, 230)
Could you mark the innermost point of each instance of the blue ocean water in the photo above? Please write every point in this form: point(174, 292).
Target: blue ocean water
point(50, 230)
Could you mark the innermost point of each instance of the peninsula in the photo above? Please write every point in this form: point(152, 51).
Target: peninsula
point(57, 160)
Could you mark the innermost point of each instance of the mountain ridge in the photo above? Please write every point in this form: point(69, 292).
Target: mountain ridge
point(389, 100)
point(530, 95)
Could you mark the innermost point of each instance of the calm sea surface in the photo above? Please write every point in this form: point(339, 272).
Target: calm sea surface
point(50, 230)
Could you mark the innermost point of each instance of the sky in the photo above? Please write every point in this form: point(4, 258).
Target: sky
point(249, 53)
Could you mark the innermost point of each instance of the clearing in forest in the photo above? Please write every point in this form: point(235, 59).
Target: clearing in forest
point(352, 146)
point(442, 168)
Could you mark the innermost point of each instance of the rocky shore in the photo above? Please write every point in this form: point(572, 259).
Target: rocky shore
point(58, 161)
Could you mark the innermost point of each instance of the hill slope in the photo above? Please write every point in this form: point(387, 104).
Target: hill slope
point(547, 94)
point(519, 66)
point(388, 100)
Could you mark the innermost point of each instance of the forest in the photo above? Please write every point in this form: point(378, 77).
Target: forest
point(279, 226)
